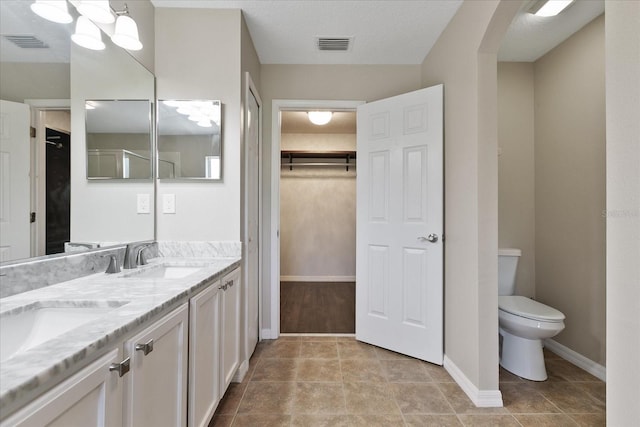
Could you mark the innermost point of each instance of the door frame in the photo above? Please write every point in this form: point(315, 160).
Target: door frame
point(38, 166)
point(277, 106)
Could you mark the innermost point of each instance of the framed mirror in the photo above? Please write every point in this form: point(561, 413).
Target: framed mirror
point(119, 139)
point(189, 139)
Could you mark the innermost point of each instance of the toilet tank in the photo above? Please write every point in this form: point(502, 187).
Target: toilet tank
point(507, 267)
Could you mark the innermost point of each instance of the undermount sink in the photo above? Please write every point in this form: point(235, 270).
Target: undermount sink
point(33, 324)
point(164, 271)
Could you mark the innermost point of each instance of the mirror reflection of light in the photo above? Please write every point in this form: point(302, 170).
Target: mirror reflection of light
point(205, 123)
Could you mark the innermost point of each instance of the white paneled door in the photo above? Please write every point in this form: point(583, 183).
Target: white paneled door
point(14, 181)
point(399, 264)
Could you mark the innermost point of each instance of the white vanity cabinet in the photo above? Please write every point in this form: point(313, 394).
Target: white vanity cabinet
point(91, 397)
point(230, 314)
point(155, 389)
point(204, 355)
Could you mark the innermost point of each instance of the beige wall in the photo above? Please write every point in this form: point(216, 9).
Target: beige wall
point(198, 56)
point(516, 177)
point(318, 213)
point(464, 59)
point(318, 82)
point(20, 81)
point(623, 208)
point(570, 187)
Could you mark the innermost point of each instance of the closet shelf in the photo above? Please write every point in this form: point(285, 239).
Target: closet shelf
point(313, 158)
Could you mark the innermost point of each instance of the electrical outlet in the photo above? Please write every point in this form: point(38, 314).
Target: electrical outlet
point(169, 203)
point(144, 204)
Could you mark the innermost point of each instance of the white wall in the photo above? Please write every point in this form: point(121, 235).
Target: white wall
point(20, 81)
point(198, 56)
point(623, 211)
point(318, 214)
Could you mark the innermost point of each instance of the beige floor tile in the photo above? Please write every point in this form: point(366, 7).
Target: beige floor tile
point(275, 370)
point(437, 373)
point(318, 338)
point(319, 350)
point(262, 420)
point(354, 370)
point(231, 399)
point(318, 370)
point(319, 398)
point(568, 371)
point(491, 420)
point(595, 389)
point(549, 355)
point(545, 420)
point(386, 420)
point(461, 403)
point(268, 398)
point(521, 398)
point(405, 371)
point(384, 354)
point(306, 420)
point(508, 377)
point(420, 398)
point(356, 350)
point(369, 398)
point(432, 421)
point(289, 338)
point(221, 421)
point(590, 420)
point(571, 399)
point(282, 349)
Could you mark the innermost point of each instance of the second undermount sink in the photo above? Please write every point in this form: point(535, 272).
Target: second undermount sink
point(28, 326)
point(163, 271)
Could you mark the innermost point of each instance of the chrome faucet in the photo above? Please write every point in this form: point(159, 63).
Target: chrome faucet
point(133, 255)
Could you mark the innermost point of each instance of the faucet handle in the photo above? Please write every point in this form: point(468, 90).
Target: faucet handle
point(113, 266)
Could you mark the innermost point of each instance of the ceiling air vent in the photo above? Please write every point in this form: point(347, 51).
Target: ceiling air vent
point(334, 43)
point(26, 42)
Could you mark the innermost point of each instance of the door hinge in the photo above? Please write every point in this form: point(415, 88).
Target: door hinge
point(32, 217)
point(32, 132)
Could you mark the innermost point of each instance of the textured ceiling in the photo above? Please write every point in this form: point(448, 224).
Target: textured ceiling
point(384, 32)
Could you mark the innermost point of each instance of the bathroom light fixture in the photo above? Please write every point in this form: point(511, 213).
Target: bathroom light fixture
point(126, 33)
point(52, 10)
point(547, 8)
point(205, 123)
point(97, 10)
point(87, 34)
point(320, 117)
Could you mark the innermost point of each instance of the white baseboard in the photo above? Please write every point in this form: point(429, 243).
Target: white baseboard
point(577, 359)
point(240, 372)
point(267, 334)
point(317, 278)
point(480, 398)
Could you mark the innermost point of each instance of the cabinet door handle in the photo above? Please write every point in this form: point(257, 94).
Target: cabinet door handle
point(145, 348)
point(229, 283)
point(121, 368)
point(223, 287)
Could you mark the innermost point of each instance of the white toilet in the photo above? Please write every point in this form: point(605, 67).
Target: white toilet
point(523, 322)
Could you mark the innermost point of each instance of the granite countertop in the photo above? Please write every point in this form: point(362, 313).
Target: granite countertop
point(137, 301)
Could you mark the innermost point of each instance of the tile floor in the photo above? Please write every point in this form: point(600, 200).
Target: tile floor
point(336, 381)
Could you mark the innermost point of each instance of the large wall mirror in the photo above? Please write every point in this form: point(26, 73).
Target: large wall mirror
point(118, 139)
point(47, 87)
point(189, 139)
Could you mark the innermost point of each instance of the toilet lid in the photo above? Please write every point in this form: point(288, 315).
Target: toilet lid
point(528, 308)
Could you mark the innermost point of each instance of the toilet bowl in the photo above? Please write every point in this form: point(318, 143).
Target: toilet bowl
point(523, 322)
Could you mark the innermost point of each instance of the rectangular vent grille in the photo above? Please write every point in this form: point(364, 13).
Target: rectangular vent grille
point(27, 42)
point(334, 43)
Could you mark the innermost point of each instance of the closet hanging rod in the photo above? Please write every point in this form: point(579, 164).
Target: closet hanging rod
point(348, 156)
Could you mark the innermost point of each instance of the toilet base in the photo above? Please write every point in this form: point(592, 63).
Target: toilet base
point(522, 357)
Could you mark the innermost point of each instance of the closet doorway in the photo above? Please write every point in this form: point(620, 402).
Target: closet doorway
point(317, 222)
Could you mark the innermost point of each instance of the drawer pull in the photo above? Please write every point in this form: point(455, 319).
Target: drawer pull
point(145, 348)
point(121, 368)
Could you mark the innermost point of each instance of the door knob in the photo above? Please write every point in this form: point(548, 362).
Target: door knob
point(432, 238)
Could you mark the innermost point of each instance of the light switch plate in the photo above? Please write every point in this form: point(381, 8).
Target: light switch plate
point(144, 204)
point(169, 203)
